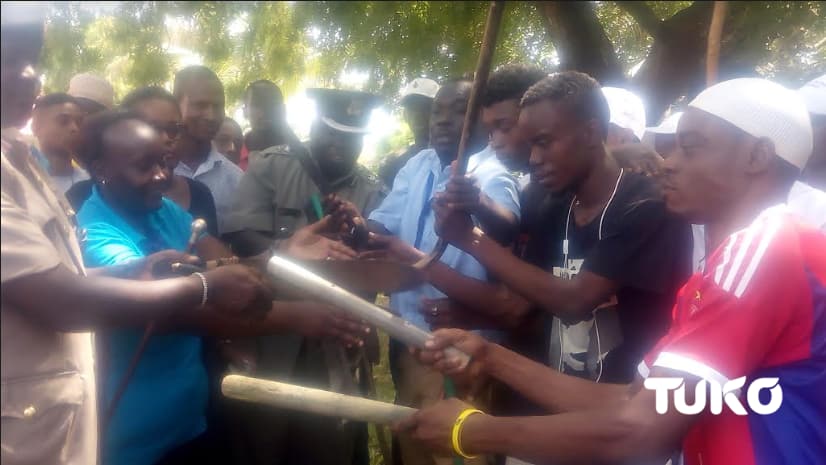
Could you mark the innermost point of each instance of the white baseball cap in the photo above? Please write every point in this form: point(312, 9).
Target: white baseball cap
point(814, 95)
point(94, 88)
point(763, 108)
point(668, 125)
point(421, 86)
point(627, 109)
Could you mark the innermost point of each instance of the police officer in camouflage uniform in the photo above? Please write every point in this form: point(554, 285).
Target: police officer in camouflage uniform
point(281, 192)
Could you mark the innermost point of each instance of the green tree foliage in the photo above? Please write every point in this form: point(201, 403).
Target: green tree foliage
point(292, 43)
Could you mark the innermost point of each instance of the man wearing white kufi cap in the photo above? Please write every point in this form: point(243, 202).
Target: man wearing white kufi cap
point(752, 322)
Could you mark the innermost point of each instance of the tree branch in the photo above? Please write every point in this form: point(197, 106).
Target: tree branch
point(644, 16)
point(580, 40)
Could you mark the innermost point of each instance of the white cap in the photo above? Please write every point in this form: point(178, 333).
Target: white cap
point(763, 108)
point(421, 86)
point(627, 110)
point(814, 95)
point(93, 88)
point(668, 126)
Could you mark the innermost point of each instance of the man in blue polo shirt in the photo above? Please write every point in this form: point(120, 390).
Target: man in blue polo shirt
point(406, 214)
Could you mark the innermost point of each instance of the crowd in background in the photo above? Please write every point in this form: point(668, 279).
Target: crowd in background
point(587, 253)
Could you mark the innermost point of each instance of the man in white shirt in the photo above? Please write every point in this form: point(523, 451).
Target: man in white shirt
point(201, 96)
point(56, 124)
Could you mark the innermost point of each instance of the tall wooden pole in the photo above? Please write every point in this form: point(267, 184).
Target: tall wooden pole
point(480, 79)
point(715, 33)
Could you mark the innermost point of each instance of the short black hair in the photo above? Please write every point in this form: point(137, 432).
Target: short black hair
point(510, 82)
point(579, 91)
point(144, 94)
point(264, 89)
point(93, 130)
point(186, 75)
point(50, 100)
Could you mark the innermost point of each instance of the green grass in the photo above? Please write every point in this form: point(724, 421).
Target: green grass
point(385, 392)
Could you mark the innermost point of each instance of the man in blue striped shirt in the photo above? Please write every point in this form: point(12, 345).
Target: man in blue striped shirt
point(406, 214)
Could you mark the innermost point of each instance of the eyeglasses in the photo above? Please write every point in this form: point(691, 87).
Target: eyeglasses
point(172, 130)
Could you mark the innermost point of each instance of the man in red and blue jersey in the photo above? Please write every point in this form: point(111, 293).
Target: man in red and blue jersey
point(757, 310)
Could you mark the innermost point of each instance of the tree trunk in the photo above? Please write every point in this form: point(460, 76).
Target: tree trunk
point(675, 65)
point(580, 40)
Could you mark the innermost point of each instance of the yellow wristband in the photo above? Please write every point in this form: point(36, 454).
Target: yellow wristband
point(457, 431)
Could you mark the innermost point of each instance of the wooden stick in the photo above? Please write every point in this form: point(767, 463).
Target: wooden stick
point(480, 79)
point(319, 288)
point(293, 397)
point(715, 33)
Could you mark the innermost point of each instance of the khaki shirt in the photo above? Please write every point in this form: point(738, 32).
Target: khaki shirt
point(274, 194)
point(48, 384)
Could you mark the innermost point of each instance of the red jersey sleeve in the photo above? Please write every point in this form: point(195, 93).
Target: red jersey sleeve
point(743, 312)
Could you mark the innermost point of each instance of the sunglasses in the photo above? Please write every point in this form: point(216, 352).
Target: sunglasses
point(172, 130)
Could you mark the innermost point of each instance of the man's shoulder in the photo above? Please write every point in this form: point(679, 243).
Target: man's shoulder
point(278, 160)
point(198, 186)
point(772, 241)
point(274, 151)
point(639, 194)
point(421, 156)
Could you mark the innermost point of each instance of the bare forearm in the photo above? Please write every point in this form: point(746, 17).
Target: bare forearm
point(129, 270)
point(547, 387)
point(594, 436)
point(552, 294)
point(68, 302)
point(491, 300)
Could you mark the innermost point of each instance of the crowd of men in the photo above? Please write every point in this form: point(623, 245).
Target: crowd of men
point(589, 257)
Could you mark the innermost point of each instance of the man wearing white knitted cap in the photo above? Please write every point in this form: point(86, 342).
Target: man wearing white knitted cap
point(627, 122)
point(747, 332)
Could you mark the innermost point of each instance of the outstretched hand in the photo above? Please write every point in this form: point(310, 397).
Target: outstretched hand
point(237, 289)
point(159, 264)
point(309, 243)
point(319, 320)
point(393, 248)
